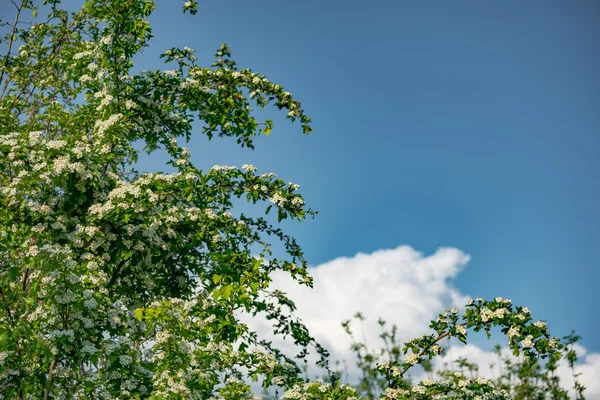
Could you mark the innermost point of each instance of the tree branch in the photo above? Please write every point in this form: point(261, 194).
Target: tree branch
point(10, 43)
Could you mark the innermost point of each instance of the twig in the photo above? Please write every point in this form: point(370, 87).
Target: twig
point(50, 374)
point(10, 43)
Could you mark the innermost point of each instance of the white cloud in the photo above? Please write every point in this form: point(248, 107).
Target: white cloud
point(400, 285)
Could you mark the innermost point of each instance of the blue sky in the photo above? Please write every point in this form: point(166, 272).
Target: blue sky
point(474, 125)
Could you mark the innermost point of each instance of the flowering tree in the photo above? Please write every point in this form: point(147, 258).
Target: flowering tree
point(118, 284)
point(121, 284)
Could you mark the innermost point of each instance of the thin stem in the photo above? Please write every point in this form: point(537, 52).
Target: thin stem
point(10, 43)
point(440, 337)
point(50, 375)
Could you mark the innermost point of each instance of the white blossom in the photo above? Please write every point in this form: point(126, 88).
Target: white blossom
point(411, 359)
point(248, 168)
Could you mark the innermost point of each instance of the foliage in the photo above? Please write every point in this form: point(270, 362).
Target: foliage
point(519, 378)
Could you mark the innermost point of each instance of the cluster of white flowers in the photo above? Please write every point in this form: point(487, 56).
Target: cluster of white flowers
point(249, 168)
point(210, 213)
point(88, 348)
point(483, 381)
point(189, 82)
point(57, 334)
point(418, 390)
point(3, 356)
point(540, 324)
point(487, 314)
point(101, 209)
point(528, 341)
point(103, 126)
point(181, 161)
point(463, 383)
point(81, 148)
point(125, 189)
point(90, 303)
point(501, 300)
point(125, 360)
point(32, 250)
point(85, 78)
point(223, 168)
point(411, 359)
point(278, 200)
point(106, 40)
point(65, 298)
point(56, 144)
point(105, 98)
point(512, 332)
point(520, 317)
point(81, 55)
point(297, 201)
point(63, 163)
point(392, 394)
point(427, 382)
point(87, 230)
point(308, 390)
